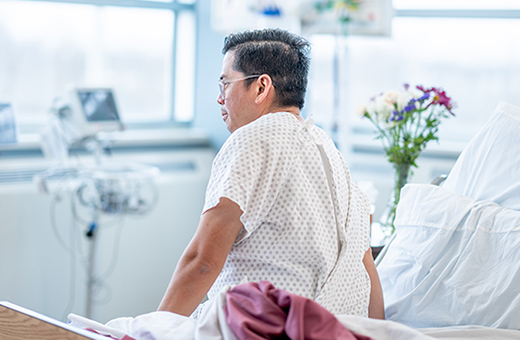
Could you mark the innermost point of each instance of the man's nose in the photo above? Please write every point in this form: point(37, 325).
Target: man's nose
point(220, 100)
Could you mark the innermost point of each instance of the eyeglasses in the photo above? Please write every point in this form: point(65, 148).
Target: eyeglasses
point(223, 83)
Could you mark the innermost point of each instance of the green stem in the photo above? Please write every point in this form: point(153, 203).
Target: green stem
point(400, 179)
point(429, 117)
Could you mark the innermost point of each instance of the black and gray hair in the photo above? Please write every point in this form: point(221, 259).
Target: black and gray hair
point(282, 55)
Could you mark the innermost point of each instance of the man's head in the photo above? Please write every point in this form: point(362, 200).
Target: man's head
point(262, 70)
point(280, 54)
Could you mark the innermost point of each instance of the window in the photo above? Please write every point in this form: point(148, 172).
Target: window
point(471, 54)
point(48, 46)
point(456, 4)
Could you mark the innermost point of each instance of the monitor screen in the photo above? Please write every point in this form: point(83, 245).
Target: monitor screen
point(7, 124)
point(98, 105)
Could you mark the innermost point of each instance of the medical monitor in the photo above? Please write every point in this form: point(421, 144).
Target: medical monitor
point(8, 132)
point(93, 110)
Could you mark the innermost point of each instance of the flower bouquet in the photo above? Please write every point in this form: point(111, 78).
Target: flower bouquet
point(406, 121)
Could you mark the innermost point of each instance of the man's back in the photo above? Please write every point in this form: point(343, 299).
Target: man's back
point(272, 168)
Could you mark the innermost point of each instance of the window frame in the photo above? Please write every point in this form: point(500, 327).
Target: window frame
point(459, 13)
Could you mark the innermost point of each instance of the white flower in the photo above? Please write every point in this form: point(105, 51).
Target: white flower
point(383, 108)
point(361, 109)
point(391, 97)
point(371, 108)
point(403, 99)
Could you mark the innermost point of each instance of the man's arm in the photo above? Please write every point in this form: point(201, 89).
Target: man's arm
point(203, 259)
point(376, 308)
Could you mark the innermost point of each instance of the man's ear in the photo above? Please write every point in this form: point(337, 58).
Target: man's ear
point(264, 88)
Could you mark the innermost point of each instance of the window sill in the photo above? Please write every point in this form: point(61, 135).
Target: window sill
point(134, 138)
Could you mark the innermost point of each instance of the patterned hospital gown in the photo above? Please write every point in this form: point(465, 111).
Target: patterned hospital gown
point(273, 170)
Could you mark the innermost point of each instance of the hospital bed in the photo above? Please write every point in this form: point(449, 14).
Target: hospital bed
point(450, 273)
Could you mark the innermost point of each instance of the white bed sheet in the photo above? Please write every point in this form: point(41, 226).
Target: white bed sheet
point(488, 168)
point(390, 330)
point(168, 326)
point(454, 261)
point(471, 332)
point(211, 324)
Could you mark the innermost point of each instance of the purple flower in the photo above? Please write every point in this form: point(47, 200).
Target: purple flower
point(409, 107)
point(424, 97)
point(396, 116)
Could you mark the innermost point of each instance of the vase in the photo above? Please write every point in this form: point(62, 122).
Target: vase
point(401, 174)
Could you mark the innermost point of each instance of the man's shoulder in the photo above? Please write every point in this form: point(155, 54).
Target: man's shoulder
point(247, 137)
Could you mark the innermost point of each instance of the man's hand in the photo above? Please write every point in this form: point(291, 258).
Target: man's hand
point(203, 259)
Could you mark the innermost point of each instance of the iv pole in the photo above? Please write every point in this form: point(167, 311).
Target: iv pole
point(91, 269)
point(92, 233)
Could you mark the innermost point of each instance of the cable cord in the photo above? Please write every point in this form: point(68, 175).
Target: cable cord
point(72, 284)
point(115, 252)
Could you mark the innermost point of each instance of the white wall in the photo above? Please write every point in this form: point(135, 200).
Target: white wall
point(209, 64)
point(35, 270)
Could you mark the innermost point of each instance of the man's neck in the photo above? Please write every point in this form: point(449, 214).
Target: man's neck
point(293, 109)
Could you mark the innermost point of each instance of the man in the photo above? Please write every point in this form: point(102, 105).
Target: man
point(280, 205)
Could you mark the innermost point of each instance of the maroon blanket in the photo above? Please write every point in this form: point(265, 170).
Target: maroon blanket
point(260, 311)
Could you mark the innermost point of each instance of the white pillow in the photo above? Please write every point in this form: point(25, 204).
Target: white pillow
point(489, 166)
point(454, 261)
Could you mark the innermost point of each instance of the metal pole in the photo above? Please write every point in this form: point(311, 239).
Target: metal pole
point(91, 270)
